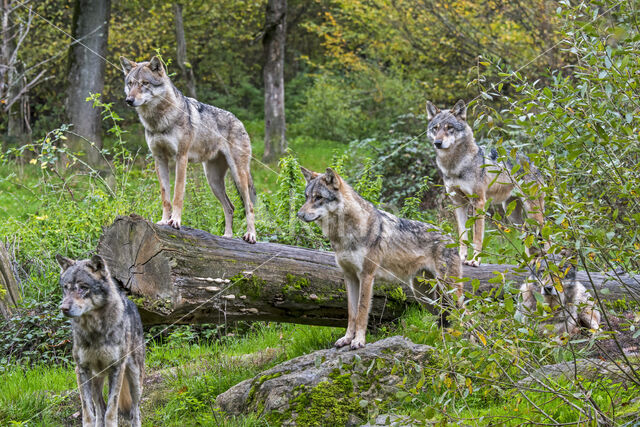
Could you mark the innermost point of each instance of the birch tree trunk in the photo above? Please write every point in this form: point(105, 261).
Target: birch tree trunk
point(87, 62)
point(275, 142)
point(183, 64)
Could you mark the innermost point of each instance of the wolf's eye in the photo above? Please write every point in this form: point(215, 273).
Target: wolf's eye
point(447, 127)
point(436, 127)
point(316, 197)
point(130, 84)
point(145, 83)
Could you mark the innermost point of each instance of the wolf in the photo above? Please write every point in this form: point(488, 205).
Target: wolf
point(185, 130)
point(472, 176)
point(370, 243)
point(553, 281)
point(107, 341)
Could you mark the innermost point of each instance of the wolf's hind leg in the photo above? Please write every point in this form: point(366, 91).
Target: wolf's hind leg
point(242, 177)
point(215, 170)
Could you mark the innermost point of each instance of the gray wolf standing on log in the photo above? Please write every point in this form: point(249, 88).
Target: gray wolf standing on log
point(472, 177)
point(181, 128)
point(107, 342)
point(553, 281)
point(371, 243)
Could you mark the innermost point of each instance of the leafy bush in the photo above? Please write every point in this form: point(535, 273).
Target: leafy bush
point(344, 109)
point(38, 333)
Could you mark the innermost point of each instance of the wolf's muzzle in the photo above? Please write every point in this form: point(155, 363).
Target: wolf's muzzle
point(303, 216)
point(438, 143)
point(130, 101)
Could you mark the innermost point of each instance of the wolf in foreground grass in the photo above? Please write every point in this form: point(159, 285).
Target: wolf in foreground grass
point(185, 130)
point(370, 243)
point(472, 177)
point(108, 342)
point(570, 306)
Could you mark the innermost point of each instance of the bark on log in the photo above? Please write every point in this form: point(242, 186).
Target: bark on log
point(191, 276)
point(9, 291)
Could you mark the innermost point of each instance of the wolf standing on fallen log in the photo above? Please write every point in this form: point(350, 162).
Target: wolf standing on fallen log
point(370, 243)
point(182, 128)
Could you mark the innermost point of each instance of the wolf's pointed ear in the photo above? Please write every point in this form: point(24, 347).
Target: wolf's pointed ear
point(155, 65)
point(460, 110)
point(126, 65)
point(98, 265)
point(331, 177)
point(64, 262)
point(432, 110)
point(308, 175)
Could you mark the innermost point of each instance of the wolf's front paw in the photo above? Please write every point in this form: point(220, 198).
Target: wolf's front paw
point(249, 237)
point(357, 343)
point(345, 340)
point(472, 262)
point(163, 222)
point(174, 222)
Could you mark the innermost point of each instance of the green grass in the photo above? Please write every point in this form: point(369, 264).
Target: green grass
point(19, 193)
point(42, 395)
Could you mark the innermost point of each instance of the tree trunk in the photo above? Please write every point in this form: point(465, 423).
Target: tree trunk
point(18, 128)
point(185, 68)
point(190, 276)
point(12, 79)
point(9, 291)
point(86, 74)
point(275, 142)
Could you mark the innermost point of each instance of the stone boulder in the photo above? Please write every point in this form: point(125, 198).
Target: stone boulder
point(336, 386)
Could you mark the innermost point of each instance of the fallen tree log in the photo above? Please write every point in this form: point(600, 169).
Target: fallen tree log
point(190, 276)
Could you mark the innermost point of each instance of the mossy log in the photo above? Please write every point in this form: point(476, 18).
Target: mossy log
point(9, 291)
point(190, 276)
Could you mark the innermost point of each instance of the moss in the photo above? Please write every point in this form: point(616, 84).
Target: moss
point(255, 386)
point(295, 282)
point(329, 402)
point(250, 285)
point(622, 305)
point(163, 306)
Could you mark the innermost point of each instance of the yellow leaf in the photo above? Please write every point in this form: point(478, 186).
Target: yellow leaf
point(33, 161)
point(469, 386)
point(557, 284)
point(482, 339)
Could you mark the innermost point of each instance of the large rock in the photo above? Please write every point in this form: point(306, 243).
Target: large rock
point(335, 386)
